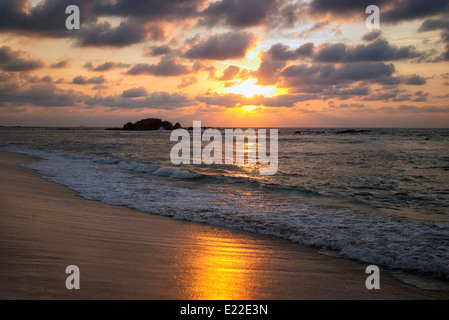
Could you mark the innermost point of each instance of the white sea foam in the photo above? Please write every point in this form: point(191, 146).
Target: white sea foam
point(393, 242)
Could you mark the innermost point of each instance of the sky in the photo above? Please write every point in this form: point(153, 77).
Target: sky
point(227, 63)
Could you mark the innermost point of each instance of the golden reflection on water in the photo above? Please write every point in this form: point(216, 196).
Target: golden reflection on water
point(222, 267)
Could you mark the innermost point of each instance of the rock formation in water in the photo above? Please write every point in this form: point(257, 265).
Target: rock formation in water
point(149, 124)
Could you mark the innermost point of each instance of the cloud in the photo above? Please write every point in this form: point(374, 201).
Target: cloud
point(378, 50)
point(12, 61)
point(21, 65)
point(153, 10)
point(60, 64)
point(392, 11)
point(415, 79)
point(155, 100)
point(283, 52)
point(269, 70)
point(229, 73)
point(188, 81)
point(373, 35)
point(106, 66)
point(155, 51)
point(321, 77)
point(342, 8)
point(320, 25)
point(363, 71)
point(47, 18)
point(104, 34)
point(231, 100)
point(83, 80)
point(438, 24)
point(402, 10)
point(238, 13)
point(165, 68)
point(230, 45)
point(415, 109)
point(41, 94)
point(134, 93)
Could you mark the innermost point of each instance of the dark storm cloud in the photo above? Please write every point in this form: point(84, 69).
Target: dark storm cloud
point(13, 61)
point(230, 45)
point(238, 13)
point(166, 67)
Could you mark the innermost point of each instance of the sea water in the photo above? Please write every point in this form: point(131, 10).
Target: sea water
point(379, 196)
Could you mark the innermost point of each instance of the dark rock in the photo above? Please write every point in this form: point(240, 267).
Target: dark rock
point(150, 124)
point(128, 126)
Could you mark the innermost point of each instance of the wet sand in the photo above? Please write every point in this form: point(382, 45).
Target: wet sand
point(126, 254)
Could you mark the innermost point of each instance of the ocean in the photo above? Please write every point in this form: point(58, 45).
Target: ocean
point(378, 196)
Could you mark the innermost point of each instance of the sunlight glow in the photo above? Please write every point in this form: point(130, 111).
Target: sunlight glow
point(249, 88)
point(249, 108)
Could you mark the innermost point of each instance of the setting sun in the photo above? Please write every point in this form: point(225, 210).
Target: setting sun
point(249, 88)
point(249, 108)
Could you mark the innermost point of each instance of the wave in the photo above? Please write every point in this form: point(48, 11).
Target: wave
point(396, 243)
point(130, 166)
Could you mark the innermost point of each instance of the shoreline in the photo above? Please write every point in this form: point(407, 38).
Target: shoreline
point(127, 254)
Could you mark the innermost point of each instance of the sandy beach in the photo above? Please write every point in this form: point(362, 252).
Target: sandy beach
point(126, 254)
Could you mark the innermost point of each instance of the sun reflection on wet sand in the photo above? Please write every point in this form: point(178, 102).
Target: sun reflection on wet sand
point(222, 267)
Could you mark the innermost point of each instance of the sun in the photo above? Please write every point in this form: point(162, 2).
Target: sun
point(249, 108)
point(249, 88)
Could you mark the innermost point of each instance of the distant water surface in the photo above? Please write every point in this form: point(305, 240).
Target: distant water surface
point(379, 196)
